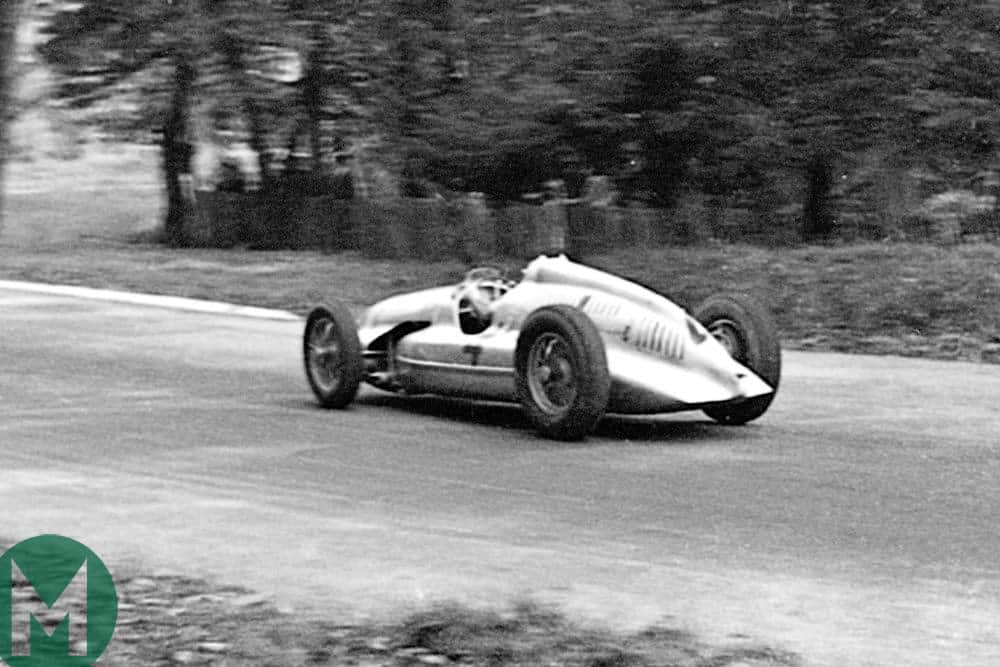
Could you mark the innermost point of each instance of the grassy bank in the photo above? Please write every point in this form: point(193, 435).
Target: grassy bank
point(919, 300)
point(168, 620)
point(909, 299)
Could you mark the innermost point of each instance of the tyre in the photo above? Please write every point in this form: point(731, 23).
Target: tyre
point(748, 333)
point(332, 354)
point(562, 372)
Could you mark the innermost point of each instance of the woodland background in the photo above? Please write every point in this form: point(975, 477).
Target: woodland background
point(767, 121)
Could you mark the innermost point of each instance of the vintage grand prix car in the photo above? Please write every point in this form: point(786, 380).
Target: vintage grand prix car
point(568, 342)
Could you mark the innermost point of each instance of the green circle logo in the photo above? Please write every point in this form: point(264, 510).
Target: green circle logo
point(58, 604)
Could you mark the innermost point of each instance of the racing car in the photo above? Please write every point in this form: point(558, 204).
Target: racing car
point(567, 341)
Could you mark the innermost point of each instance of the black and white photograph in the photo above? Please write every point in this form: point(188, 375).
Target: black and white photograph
point(585, 333)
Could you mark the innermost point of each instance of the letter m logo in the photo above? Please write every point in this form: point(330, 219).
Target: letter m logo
point(44, 618)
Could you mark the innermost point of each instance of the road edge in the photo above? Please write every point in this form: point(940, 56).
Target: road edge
point(153, 300)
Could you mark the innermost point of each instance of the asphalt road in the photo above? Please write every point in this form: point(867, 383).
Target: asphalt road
point(855, 523)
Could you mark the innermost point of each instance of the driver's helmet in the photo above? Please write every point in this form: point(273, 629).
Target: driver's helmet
point(480, 288)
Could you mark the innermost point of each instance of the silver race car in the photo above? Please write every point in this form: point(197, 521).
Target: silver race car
point(567, 341)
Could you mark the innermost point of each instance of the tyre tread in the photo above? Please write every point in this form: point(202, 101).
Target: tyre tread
point(763, 351)
point(353, 368)
point(594, 380)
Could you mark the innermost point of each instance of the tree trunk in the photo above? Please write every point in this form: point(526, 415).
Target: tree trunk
point(312, 99)
point(8, 23)
point(819, 223)
point(177, 152)
point(234, 51)
point(258, 142)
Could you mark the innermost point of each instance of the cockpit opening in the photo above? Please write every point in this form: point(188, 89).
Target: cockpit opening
point(476, 297)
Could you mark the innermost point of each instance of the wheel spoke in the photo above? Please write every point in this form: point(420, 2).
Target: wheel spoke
point(544, 373)
point(323, 332)
point(551, 378)
point(325, 354)
point(320, 350)
point(728, 336)
point(562, 390)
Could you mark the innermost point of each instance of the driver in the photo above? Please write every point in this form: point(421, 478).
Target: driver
point(480, 299)
point(480, 289)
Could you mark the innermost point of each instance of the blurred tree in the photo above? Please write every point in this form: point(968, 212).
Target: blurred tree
point(9, 10)
point(167, 54)
point(425, 89)
point(735, 101)
point(658, 88)
point(333, 51)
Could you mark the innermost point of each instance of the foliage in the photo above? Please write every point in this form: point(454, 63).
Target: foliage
point(8, 18)
point(775, 108)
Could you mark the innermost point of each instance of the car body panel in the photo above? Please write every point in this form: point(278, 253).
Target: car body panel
point(659, 358)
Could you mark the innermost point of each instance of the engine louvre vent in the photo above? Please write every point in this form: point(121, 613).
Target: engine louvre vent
point(660, 338)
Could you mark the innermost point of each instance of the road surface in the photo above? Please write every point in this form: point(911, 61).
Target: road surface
point(855, 523)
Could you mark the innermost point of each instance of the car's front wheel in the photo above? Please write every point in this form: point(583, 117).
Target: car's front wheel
point(746, 331)
point(562, 372)
point(332, 353)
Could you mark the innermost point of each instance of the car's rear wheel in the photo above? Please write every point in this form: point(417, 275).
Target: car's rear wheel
point(332, 353)
point(745, 329)
point(562, 372)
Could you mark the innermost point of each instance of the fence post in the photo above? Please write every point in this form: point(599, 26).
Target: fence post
point(479, 234)
point(550, 232)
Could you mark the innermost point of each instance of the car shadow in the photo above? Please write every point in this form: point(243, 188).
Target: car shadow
point(657, 428)
point(485, 413)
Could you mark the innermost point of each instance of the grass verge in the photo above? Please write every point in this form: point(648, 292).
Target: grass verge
point(175, 620)
point(168, 619)
point(916, 300)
